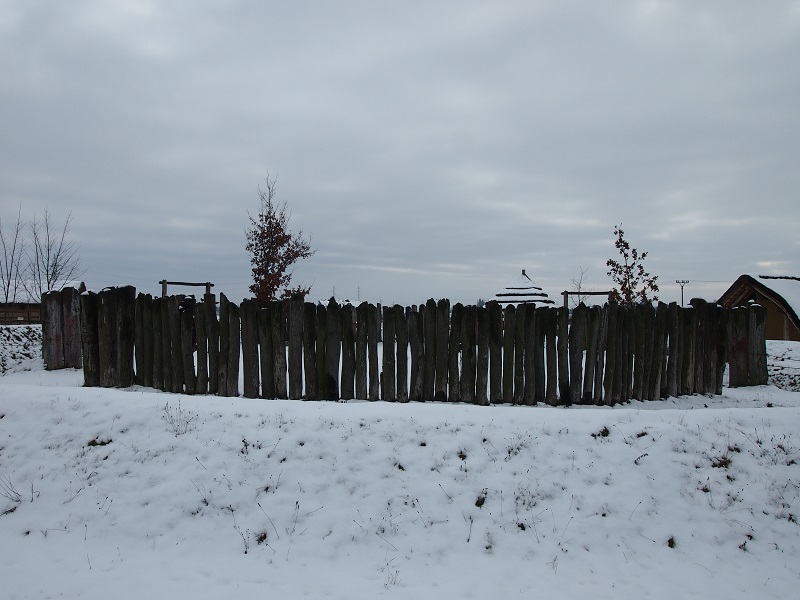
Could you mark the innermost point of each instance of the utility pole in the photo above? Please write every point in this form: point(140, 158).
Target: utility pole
point(681, 282)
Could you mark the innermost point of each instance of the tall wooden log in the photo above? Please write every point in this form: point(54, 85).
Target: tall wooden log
point(577, 347)
point(295, 335)
point(107, 331)
point(468, 355)
point(348, 352)
point(495, 312)
point(361, 351)
point(442, 347)
point(528, 363)
point(674, 345)
point(428, 320)
point(224, 346)
point(551, 355)
point(138, 340)
point(176, 355)
point(333, 349)
point(321, 358)
point(722, 346)
point(710, 349)
point(89, 338)
point(389, 391)
point(201, 336)
point(641, 322)
point(373, 335)
point(700, 361)
point(419, 360)
point(482, 366)
point(234, 349)
point(213, 336)
point(187, 345)
point(611, 354)
point(310, 351)
point(659, 348)
point(248, 310)
point(278, 334)
point(564, 392)
point(454, 351)
point(519, 354)
point(598, 394)
point(509, 336)
point(401, 337)
point(266, 350)
point(738, 329)
point(158, 344)
point(166, 347)
point(757, 346)
point(147, 341)
point(71, 319)
point(688, 334)
point(52, 331)
point(590, 363)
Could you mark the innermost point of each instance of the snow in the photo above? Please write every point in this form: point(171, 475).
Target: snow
point(108, 493)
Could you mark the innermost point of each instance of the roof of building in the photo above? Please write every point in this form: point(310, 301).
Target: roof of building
point(522, 290)
point(783, 290)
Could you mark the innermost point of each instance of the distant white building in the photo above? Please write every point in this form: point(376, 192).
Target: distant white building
point(522, 291)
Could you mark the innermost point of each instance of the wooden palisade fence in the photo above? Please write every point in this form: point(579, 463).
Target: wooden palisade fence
point(488, 355)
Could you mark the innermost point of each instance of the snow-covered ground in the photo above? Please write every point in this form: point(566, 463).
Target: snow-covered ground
point(132, 493)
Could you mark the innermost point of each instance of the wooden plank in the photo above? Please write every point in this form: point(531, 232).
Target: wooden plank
point(428, 320)
point(89, 339)
point(722, 346)
point(71, 322)
point(295, 335)
point(509, 327)
point(107, 330)
point(495, 351)
point(333, 349)
point(659, 348)
point(482, 365)
point(278, 335)
point(528, 355)
point(321, 358)
point(361, 350)
point(611, 354)
point(590, 362)
point(250, 359)
point(401, 349)
point(598, 394)
point(52, 331)
point(454, 351)
point(138, 340)
point(310, 351)
point(519, 354)
point(373, 335)
point(388, 364)
point(348, 324)
point(187, 345)
point(551, 355)
point(577, 347)
point(688, 332)
point(158, 344)
point(442, 347)
point(234, 350)
point(468, 355)
point(212, 333)
point(175, 355)
point(419, 360)
point(562, 348)
point(674, 353)
point(699, 306)
point(757, 345)
point(201, 333)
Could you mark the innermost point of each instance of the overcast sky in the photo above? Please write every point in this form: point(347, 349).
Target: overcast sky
point(430, 149)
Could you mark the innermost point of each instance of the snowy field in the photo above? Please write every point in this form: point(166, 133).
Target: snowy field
point(131, 494)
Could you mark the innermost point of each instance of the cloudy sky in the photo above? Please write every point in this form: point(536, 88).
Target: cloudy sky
point(430, 149)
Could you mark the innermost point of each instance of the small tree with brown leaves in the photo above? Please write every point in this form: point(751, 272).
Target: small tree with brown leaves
point(633, 284)
point(274, 249)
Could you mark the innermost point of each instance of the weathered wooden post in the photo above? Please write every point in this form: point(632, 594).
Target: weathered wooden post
point(158, 344)
point(564, 392)
point(71, 321)
point(212, 333)
point(509, 328)
point(577, 346)
point(310, 350)
point(148, 341)
point(416, 337)
point(453, 353)
point(721, 347)
point(688, 334)
point(234, 349)
point(321, 358)
point(611, 354)
point(333, 349)
point(519, 354)
point(138, 339)
point(388, 365)
point(699, 306)
point(373, 334)
point(401, 337)
point(266, 350)
point(428, 315)
point(224, 345)
point(175, 357)
point(348, 352)
point(441, 392)
point(89, 338)
point(295, 306)
point(166, 345)
point(757, 346)
point(186, 313)
point(107, 326)
point(551, 354)
point(361, 350)
point(278, 334)
point(201, 340)
point(659, 348)
point(590, 363)
point(528, 317)
point(250, 359)
point(468, 359)
point(52, 331)
point(674, 356)
point(495, 312)
point(482, 366)
point(710, 349)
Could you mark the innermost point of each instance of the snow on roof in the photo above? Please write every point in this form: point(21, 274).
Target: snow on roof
point(522, 290)
point(787, 287)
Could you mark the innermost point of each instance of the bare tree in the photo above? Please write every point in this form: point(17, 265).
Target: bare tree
point(11, 259)
point(52, 258)
point(579, 287)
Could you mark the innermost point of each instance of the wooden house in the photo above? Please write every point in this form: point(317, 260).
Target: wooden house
point(779, 295)
point(20, 313)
